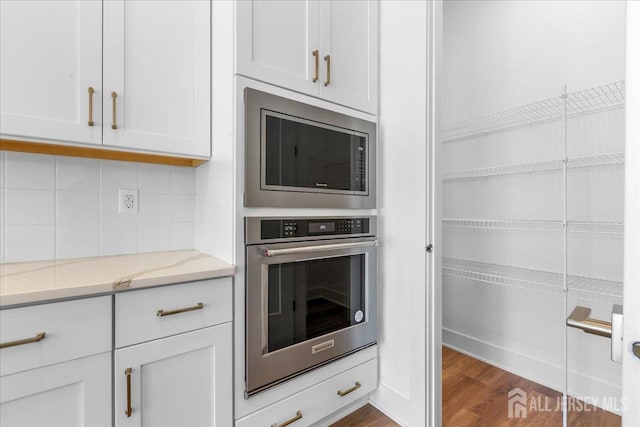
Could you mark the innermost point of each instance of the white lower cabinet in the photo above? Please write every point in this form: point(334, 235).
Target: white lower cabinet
point(183, 380)
point(319, 401)
point(68, 394)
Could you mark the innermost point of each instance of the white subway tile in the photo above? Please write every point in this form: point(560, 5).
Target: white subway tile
point(75, 173)
point(77, 240)
point(183, 180)
point(154, 179)
point(77, 207)
point(34, 171)
point(29, 207)
point(155, 207)
point(29, 243)
point(1, 169)
point(118, 232)
point(183, 208)
point(116, 175)
point(2, 245)
point(3, 204)
point(154, 237)
point(182, 235)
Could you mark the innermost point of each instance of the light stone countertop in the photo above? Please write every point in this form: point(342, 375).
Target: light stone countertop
point(29, 282)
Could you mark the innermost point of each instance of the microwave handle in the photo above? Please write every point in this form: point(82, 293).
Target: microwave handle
point(317, 248)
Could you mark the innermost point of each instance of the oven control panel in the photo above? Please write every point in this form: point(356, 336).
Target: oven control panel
point(287, 228)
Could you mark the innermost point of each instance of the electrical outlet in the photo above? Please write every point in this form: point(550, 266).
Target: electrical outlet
point(128, 201)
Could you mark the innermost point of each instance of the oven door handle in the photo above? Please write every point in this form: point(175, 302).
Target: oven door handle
point(317, 248)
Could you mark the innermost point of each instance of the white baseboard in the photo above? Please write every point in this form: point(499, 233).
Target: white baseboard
point(528, 367)
point(391, 404)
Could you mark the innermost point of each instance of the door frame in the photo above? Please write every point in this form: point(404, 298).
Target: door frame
point(631, 333)
point(433, 292)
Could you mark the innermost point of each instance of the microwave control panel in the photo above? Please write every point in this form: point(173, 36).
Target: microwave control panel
point(279, 228)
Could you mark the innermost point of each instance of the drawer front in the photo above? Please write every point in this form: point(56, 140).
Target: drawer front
point(160, 312)
point(318, 401)
point(71, 329)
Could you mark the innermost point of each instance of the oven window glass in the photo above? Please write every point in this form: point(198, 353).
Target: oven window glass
point(306, 156)
point(308, 299)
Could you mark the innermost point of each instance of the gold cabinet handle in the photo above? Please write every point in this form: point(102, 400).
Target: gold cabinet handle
point(39, 337)
point(114, 123)
point(128, 411)
point(91, 92)
point(198, 306)
point(288, 422)
point(316, 55)
point(354, 388)
point(327, 58)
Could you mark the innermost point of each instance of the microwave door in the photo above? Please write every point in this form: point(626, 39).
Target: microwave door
point(306, 156)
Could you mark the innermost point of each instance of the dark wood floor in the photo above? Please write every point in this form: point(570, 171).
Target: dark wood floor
point(367, 416)
point(476, 394)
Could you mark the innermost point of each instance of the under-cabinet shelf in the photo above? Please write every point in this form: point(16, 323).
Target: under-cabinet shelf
point(593, 99)
point(580, 287)
point(595, 227)
point(549, 165)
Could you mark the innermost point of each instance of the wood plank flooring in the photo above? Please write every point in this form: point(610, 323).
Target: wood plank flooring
point(367, 416)
point(476, 394)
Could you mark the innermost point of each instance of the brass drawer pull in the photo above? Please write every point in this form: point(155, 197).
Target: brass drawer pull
point(128, 411)
point(39, 337)
point(289, 422)
point(316, 54)
point(354, 388)
point(198, 306)
point(114, 122)
point(91, 92)
point(328, 59)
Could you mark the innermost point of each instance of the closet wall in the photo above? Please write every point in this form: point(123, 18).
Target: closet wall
point(504, 203)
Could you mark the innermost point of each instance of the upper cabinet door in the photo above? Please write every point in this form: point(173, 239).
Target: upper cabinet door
point(157, 76)
point(276, 41)
point(50, 55)
point(349, 36)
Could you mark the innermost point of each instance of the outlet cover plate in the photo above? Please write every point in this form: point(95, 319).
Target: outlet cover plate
point(128, 201)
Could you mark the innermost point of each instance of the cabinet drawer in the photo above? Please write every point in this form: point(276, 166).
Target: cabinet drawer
point(159, 312)
point(72, 329)
point(318, 401)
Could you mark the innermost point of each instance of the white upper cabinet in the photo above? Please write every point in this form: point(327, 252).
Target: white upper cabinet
point(351, 42)
point(276, 40)
point(131, 74)
point(50, 55)
point(327, 49)
point(157, 75)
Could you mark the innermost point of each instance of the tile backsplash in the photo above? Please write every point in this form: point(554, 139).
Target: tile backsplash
point(55, 207)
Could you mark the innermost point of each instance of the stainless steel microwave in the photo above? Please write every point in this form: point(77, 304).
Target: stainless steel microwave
point(301, 156)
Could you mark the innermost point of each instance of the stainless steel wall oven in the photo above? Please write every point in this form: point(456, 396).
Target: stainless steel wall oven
point(298, 155)
point(310, 294)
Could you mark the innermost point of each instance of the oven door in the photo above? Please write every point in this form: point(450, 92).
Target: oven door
point(307, 303)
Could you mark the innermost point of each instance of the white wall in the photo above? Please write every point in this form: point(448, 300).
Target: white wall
point(55, 207)
point(502, 54)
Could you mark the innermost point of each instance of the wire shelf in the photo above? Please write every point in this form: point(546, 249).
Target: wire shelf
point(503, 170)
point(504, 224)
point(581, 287)
point(599, 160)
point(576, 162)
point(595, 227)
point(593, 99)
